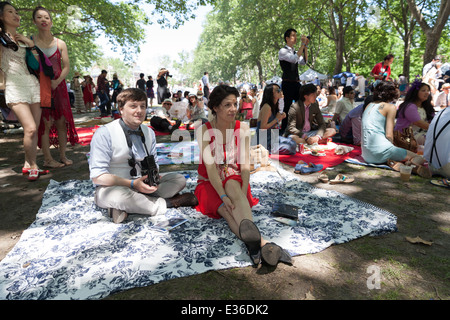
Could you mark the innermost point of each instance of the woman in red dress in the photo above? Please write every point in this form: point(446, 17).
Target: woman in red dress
point(88, 95)
point(223, 188)
point(57, 125)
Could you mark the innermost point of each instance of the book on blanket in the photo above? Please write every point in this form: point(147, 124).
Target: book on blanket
point(285, 211)
point(169, 225)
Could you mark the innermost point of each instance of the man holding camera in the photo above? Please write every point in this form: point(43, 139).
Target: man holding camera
point(289, 61)
point(122, 165)
point(163, 91)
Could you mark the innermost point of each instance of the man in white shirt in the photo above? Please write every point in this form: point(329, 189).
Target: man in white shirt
point(437, 148)
point(205, 81)
point(344, 105)
point(430, 65)
point(123, 165)
point(443, 98)
point(289, 61)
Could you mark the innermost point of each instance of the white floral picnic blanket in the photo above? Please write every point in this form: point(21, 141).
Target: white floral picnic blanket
point(74, 251)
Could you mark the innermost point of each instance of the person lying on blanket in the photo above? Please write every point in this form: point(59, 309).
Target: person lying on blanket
point(305, 121)
point(223, 188)
point(121, 152)
point(162, 120)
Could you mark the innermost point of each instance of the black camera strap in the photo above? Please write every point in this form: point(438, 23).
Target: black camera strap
point(127, 133)
point(436, 136)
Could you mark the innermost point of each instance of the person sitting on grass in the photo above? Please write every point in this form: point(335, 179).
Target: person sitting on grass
point(377, 142)
point(305, 120)
point(223, 188)
point(120, 151)
point(162, 120)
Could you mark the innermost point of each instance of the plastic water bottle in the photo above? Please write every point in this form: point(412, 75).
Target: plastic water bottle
point(281, 105)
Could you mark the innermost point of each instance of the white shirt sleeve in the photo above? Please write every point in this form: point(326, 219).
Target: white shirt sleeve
point(287, 54)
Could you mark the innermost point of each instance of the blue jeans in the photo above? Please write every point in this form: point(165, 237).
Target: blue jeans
point(103, 102)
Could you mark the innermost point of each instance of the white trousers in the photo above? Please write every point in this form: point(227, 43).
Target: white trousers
point(131, 201)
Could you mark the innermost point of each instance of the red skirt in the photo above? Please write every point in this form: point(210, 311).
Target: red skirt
point(209, 200)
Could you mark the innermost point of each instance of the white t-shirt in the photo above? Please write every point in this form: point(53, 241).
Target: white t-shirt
point(442, 150)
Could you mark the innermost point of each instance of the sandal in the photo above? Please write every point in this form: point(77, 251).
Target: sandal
point(42, 172)
point(441, 183)
point(340, 178)
point(395, 165)
point(422, 171)
point(53, 164)
point(299, 165)
point(33, 174)
point(323, 178)
point(250, 235)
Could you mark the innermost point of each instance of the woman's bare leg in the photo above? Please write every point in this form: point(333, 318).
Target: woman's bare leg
point(29, 117)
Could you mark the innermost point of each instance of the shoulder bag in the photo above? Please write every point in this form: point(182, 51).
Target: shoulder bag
point(405, 139)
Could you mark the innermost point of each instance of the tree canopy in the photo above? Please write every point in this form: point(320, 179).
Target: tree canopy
point(241, 38)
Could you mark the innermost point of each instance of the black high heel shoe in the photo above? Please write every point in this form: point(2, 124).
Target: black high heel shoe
point(250, 235)
point(272, 253)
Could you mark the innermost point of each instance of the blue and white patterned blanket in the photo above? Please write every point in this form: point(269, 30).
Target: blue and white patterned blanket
point(74, 251)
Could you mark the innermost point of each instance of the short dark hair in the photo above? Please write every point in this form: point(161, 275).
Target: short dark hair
point(141, 75)
point(104, 71)
point(347, 90)
point(288, 32)
point(130, 94)
point(306, 90)
point(389, 57)
point(218, 94)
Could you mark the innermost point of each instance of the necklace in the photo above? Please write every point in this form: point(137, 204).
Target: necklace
point(222, 166)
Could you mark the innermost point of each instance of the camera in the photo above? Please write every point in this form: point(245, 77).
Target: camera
point(169, 75)
point(7, 42)
point(150, 170)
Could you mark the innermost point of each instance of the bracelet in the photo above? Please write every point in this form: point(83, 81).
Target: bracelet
point(222, 196)
point(132, 182)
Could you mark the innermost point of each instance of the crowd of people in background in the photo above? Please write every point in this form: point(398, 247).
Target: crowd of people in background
point(375, 115)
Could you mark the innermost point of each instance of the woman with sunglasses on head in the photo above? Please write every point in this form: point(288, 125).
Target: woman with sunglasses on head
point(22, 93)
point(57, 125)
point(223, 189)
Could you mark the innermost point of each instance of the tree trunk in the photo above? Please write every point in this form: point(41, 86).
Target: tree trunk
point(340, 46)
point(407, 57)
point(433, 33)
point(260, 70)
point(431, 46)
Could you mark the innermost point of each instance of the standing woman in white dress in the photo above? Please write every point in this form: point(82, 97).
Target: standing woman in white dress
point(22, 92)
